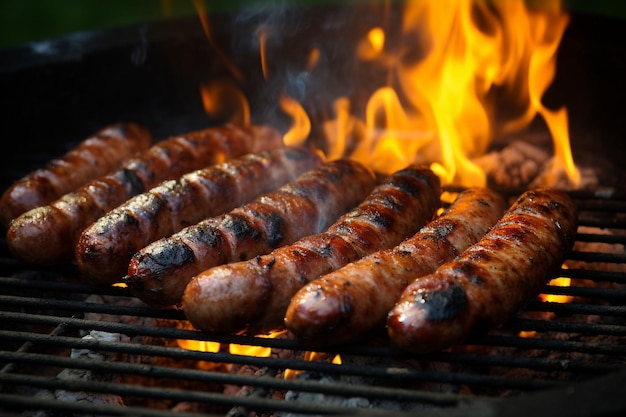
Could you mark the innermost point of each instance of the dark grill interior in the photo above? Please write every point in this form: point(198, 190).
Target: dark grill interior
point(96, 347)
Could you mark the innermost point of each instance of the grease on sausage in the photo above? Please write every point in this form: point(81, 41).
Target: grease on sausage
point(105, 248)
point(158, 273)
point(48, 234)
point(252, 295)
point(353, 301)
point(492, 279)
point(99, 154)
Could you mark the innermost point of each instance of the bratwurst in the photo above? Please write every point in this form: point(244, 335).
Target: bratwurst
point(252, 296)
point(105, 248)
point(159, 273)
point(349, 303)
point(492, 279)
point(102, 152)
point(48, 234)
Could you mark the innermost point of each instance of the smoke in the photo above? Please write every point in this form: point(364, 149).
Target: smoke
point(285, 38)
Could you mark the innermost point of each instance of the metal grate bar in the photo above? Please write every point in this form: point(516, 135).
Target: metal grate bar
point(577, 308)
point(87, 307)
point(260, 404)
point(391, 373)
point(614, 294)
point(462, 358)
point(64, 287)
point(609, 239)
point(504, 361)
point(567, 327)
point(549, 344)
point(27, 403)
point(599, 222)
point(613, 258)
point(28, 345)
point(594, 275)
point(392, 393)
point(134, 330)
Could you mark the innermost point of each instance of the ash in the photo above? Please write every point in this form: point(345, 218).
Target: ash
point(83, 375)
point(320, 398)
point(354, 402)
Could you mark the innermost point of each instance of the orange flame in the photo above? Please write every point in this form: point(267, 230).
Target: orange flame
point(372, 46)
point(203, 16)
point(224, 100)
point(555, 298)
point(442, 108)
point(311, 356)
point(552, 298)
point(199, 345)
point(233, 348)
point(258, 351)
point(465, 72)
point(301, 125)
point(262, 48)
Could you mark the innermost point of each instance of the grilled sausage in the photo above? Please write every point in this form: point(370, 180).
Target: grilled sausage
point(491, 280)
point(97, 155)
point(347, 304)
point(252, 296)
point(158, 273)
point(48, 234)
point(105, 248)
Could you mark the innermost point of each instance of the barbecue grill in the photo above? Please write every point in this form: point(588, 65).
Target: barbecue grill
point(68, 348)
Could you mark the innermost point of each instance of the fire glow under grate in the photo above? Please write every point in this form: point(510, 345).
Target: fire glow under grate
point(79, 348)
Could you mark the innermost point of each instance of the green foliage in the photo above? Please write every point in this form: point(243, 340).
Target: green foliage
point(24, 21)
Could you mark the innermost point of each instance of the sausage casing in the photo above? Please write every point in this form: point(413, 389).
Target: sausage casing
point(48, 234)
point(158, 273)
point(105, 248)
point(252, 296)
point(492, 279)
point(347, 304)
point(99, 154)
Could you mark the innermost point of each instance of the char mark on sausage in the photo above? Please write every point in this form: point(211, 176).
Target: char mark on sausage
point(99, 154)
point(348, 304)
point(252, 296)
point(302, 207)
point(105, 248)
point(48, 234)
point(492, 279)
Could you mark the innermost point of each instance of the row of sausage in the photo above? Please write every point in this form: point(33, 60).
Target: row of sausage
point(248, 235)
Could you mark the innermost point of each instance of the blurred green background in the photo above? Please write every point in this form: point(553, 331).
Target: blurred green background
point(23, 21)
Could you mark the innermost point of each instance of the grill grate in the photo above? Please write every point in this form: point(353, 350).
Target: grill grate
point(50, 356)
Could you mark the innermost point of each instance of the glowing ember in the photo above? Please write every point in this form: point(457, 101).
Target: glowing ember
point(552, 298)
point(555, 298)
point(251, 350)
point(312, 356)
point(199, 345)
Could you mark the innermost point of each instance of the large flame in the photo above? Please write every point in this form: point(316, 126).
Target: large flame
point(441, 105)
point(464, 72)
